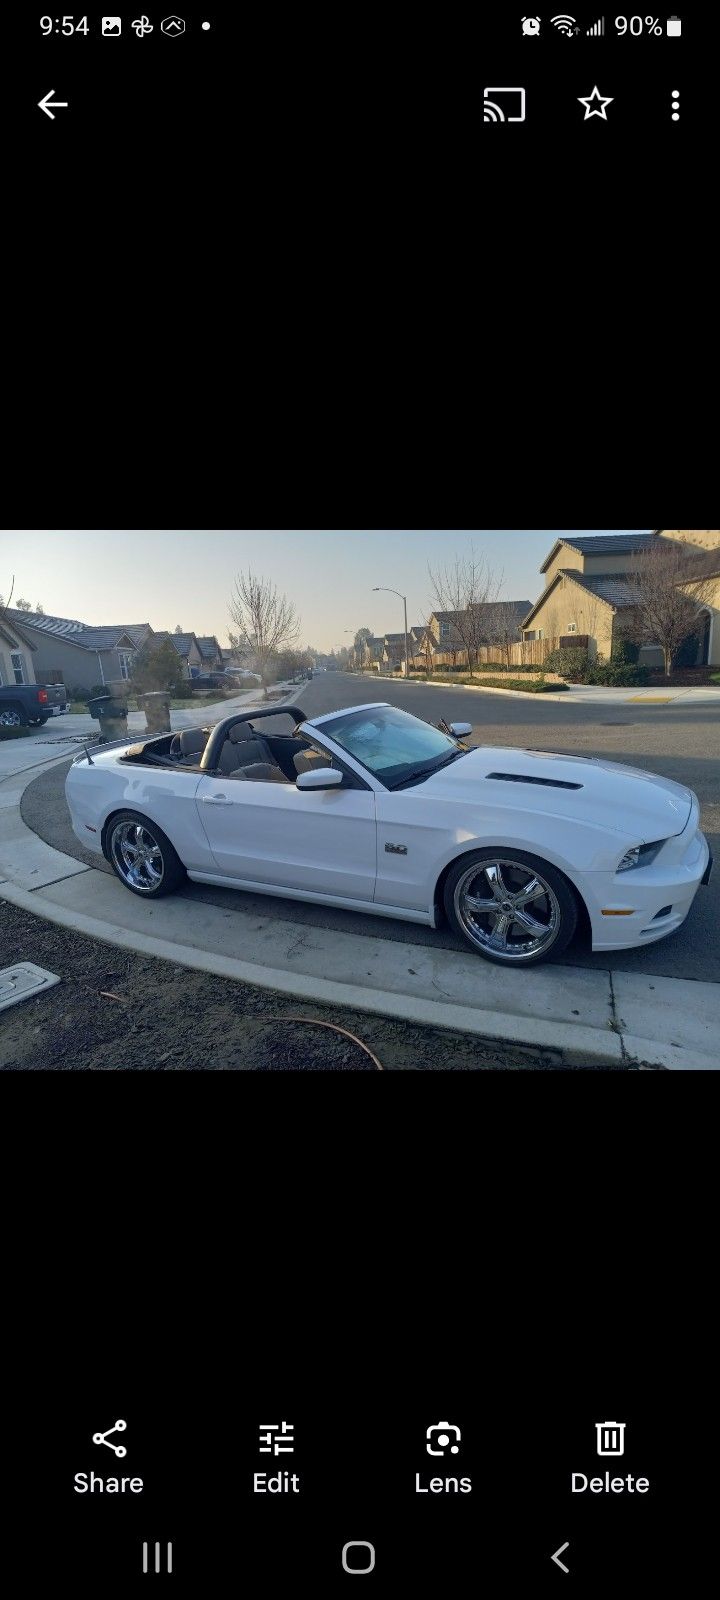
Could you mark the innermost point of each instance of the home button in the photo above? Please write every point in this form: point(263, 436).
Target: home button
point(358, 1556)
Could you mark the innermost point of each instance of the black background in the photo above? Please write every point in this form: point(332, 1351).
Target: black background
point(296, 283)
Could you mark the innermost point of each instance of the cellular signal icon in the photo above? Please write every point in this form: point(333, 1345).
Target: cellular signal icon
point(564, 25)
point(597, 28)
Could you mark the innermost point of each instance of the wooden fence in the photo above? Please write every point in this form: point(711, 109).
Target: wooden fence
point(527, 653)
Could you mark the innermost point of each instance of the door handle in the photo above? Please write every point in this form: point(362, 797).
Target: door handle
point(216, 800)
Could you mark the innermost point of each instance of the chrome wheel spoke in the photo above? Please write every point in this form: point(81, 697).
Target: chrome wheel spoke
point(495, 880)
point(531, 924)
point(532, 891)
point(502, 927)
point(481, 907)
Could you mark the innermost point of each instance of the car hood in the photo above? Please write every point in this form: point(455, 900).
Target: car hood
point(610, 795)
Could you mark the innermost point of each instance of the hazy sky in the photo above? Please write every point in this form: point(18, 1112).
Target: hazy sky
point(168, 577)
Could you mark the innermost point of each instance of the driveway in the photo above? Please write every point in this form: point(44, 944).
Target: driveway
point(680, 741)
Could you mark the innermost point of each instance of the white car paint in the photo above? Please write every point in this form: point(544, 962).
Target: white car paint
point(330, 845)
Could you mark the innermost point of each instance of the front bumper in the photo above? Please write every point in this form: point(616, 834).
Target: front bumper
point(643, 895)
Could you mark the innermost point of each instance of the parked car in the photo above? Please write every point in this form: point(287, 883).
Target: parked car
point(243, 674)
point(373, 810)
point(214, 680)
point(23, 704)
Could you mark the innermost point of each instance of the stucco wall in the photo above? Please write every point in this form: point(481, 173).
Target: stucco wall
point(7, 671)
point(700, 538)
point(571, 559)
point(569, 603)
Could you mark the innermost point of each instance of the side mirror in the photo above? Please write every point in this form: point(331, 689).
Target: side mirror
point(320, 778)
point(460, 730)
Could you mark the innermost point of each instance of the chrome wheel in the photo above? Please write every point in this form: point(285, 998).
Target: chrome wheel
point(10, 719)
point(507, 909)
point(137, 856)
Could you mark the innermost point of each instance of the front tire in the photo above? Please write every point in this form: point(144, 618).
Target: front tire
point(510, 907)
point(142, 856)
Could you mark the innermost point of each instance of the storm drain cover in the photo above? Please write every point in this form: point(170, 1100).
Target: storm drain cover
point(23, 981)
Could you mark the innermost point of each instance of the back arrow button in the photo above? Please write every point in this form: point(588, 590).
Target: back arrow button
point(46, 103)
point(558, 1553)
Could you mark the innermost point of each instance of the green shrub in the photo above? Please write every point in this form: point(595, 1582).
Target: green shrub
point(540, 687)
point(687, 653)
point(625, 653)
point(607, 674)
point(572, 664)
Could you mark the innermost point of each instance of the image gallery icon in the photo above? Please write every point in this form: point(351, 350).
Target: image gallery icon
point(111, 27)
point(610, 1438)
point(276, 1439)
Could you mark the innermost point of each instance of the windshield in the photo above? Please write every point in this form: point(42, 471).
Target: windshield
point(391, 744)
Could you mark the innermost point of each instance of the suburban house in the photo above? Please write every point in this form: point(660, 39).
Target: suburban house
point(588, 592)
point(372, 651)
point(447, 627)
point(211, 652)
point(187, 648)
point(17, 650)
point(393, 653)
point(76, 654)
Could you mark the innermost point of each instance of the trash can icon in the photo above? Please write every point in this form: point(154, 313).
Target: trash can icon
point(610, 1438)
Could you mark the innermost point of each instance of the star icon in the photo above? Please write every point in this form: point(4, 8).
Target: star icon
point(595, 104)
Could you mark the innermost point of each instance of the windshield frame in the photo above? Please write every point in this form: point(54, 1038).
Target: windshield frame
point(393, 778)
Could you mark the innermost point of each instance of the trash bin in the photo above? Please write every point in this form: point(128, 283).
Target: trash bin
point(156, 705)
point(112, 716)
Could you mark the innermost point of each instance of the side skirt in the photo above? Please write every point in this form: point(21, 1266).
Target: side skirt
point(370, 907)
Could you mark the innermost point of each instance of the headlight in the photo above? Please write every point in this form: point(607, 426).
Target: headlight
point(641, 855)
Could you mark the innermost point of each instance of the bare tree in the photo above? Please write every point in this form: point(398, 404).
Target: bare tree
point(40, 609)
point(668, 589)
point(177, 628)
point(466, 587)
point(502, 628)
point(22, 605)
point(266, 622)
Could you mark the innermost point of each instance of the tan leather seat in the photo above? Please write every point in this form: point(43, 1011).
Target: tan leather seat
point(259, 772)
point(309, 761)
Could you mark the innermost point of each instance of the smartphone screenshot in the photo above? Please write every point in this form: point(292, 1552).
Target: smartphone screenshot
point(359, 828)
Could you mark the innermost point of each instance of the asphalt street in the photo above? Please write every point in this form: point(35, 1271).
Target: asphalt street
point(680, 741)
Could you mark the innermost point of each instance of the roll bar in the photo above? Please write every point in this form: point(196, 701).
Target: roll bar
point(211, 753)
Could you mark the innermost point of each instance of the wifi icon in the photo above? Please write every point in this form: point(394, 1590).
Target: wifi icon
point(564, 25)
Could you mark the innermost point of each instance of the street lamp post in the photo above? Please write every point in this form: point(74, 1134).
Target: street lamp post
point(379, 588)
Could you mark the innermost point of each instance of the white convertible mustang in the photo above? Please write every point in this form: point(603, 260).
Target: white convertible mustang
point(374, 810)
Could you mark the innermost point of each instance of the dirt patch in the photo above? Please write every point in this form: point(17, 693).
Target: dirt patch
point(114, 1010)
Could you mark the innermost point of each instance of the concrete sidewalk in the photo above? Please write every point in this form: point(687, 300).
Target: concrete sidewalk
point(622, 1018)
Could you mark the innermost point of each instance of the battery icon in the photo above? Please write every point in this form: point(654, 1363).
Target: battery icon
point(674, 27)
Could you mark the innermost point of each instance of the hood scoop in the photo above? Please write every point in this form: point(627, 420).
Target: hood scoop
point(544, 783)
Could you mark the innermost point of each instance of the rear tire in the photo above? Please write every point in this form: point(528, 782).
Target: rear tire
point(510, 907)
point(142, 856)
point(12, 717)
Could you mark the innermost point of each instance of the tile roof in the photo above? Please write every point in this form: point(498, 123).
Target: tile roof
point(602, 544)
point(614, 587)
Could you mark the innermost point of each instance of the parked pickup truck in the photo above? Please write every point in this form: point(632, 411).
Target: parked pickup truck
point(23, 703)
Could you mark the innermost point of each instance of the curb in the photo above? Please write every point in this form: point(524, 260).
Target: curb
point(582, 1045)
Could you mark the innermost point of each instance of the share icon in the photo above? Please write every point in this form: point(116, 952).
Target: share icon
point(104, 1438)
